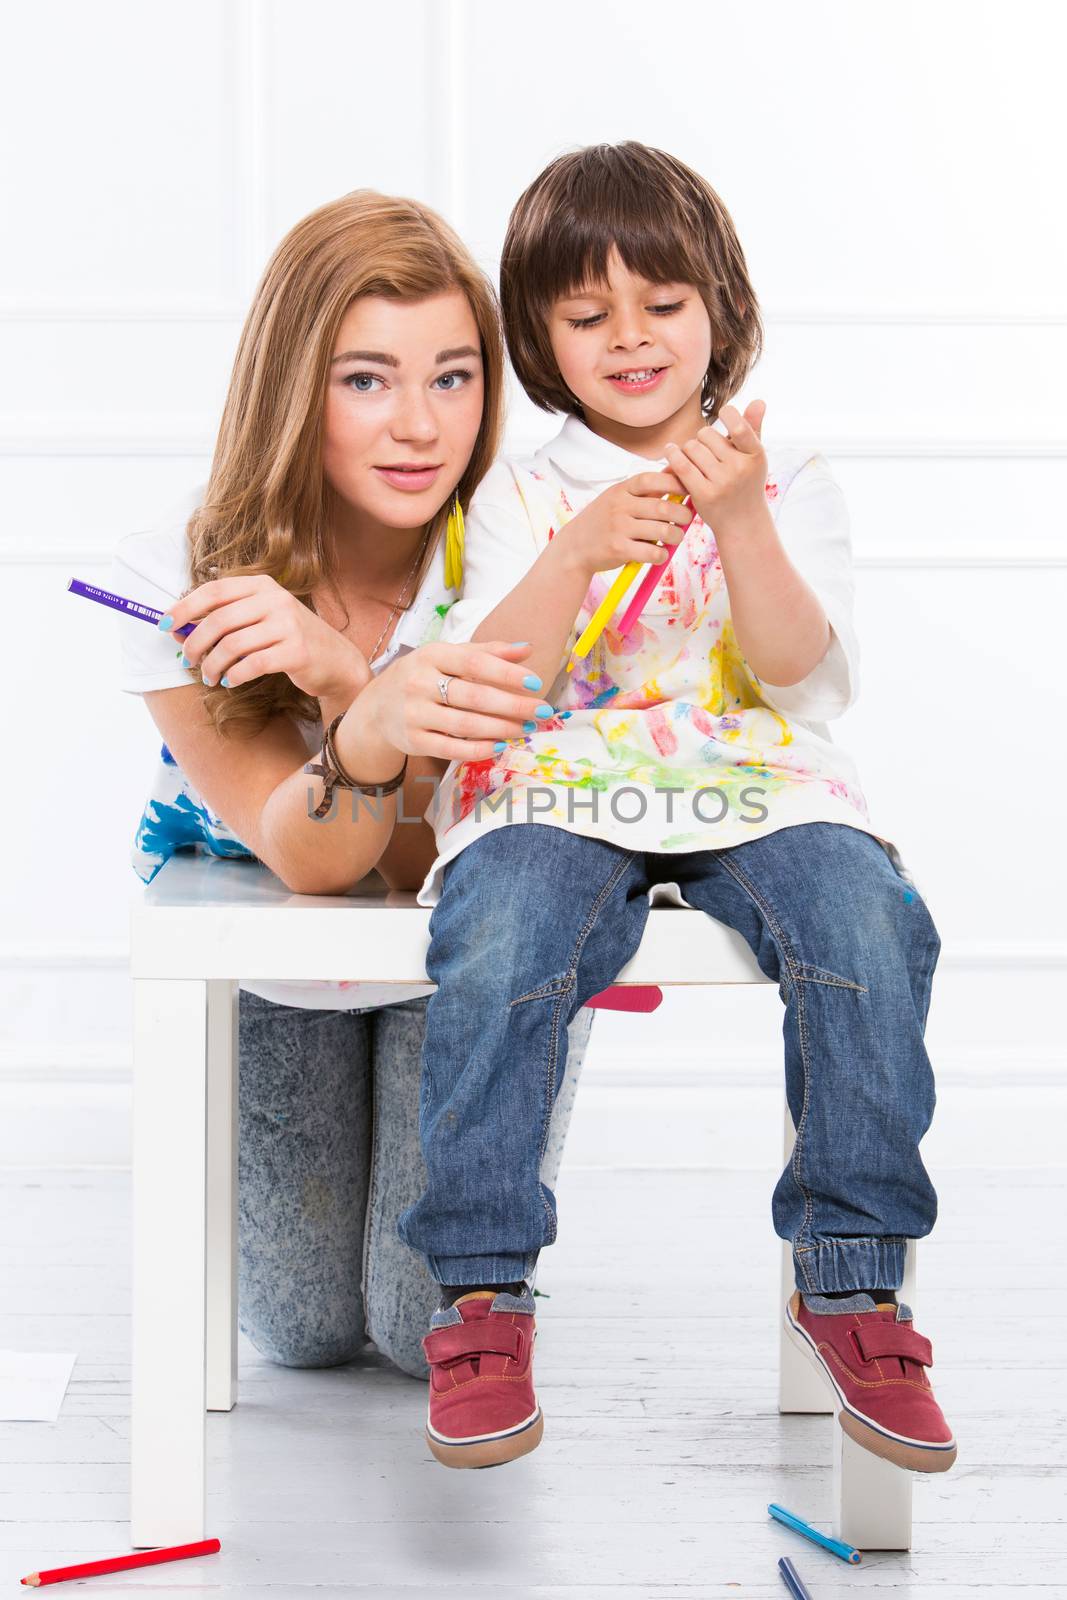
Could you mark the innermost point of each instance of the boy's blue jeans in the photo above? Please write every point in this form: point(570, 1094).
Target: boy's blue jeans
point(533, 920)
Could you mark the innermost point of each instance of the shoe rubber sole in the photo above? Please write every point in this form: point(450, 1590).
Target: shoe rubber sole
point(913, 1454)
point(488, 1449)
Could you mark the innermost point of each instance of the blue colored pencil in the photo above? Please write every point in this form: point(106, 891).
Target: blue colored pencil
point(792, 1579)
point(847, 1552)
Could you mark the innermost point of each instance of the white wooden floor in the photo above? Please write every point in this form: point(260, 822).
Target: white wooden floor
point(663, 1444)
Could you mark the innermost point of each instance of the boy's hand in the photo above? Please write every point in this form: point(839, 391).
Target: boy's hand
point(624, 523)
point(725, 478)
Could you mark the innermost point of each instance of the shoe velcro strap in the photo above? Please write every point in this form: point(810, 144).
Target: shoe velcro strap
point(891, 1339)
point(459, 1342)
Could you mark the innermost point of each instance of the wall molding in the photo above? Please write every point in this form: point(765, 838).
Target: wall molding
point(120, 445)
point(24, 553)
point(251, 152)
point(617, 1066)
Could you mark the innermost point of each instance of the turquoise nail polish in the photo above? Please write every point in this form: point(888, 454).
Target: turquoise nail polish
point(531, 681)
point(225, 681)
point(499, 745)
point(520, 641)
point(184, 662)
point(543, 711)
point(529, 727)
point(166, 622)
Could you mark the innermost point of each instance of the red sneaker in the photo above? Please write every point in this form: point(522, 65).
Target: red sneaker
point(483, 1410)
point(874, 1359)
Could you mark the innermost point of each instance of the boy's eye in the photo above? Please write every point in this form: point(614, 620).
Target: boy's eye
point(660, 310)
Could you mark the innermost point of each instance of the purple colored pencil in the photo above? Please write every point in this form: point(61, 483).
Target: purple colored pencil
point(130, 608)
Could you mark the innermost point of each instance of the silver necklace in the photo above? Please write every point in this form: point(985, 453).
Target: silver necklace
point(396, 603)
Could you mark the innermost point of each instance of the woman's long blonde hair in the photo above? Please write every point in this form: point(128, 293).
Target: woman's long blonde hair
point(266, 506)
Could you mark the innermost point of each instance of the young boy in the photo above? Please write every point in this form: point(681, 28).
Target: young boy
point(691, 754)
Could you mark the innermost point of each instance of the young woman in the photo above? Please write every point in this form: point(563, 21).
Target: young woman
point(364, 408)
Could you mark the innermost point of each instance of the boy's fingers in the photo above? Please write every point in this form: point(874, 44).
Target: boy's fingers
point(655, 483)
point(647, 510)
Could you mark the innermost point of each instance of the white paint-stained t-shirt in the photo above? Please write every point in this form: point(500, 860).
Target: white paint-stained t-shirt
point(665, 740)
point(153, 567)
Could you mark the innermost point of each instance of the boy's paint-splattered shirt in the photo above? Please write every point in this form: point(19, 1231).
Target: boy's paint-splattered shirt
point(672, 742)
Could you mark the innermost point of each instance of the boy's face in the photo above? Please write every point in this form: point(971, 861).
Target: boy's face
point(659, 334)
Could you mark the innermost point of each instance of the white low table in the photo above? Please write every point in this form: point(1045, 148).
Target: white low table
point(203, 924)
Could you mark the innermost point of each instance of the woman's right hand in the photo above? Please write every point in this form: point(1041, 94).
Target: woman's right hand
point(624, 522)
point(402, 707)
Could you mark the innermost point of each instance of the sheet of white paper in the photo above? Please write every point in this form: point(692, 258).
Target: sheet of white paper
point(33, 1383)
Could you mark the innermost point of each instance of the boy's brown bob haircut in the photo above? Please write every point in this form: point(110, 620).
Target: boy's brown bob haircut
point(669, 226)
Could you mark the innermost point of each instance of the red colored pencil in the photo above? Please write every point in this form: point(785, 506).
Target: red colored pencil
point(145, 1558)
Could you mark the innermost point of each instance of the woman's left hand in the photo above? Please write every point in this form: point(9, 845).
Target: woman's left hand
point(725, 478)
point(249, 626)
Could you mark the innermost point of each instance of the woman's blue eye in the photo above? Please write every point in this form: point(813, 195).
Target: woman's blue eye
point(357, 381)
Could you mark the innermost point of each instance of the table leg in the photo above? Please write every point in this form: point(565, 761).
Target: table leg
point(167, 1435)
point(222, 1046)
point(799, 1386)
point(871, 1504)
point(872, 1498)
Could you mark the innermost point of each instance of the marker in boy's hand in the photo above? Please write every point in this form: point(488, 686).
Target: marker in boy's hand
point(725, 478)
point(625, 522)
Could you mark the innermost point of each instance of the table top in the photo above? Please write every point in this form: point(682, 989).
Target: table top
point(206, 917)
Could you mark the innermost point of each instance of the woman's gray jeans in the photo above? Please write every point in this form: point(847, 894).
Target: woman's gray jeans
point(329, 1156)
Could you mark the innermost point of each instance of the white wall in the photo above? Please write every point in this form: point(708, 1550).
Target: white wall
point(895, 174)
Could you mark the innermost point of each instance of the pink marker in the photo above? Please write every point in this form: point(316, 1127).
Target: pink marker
point(651, 578)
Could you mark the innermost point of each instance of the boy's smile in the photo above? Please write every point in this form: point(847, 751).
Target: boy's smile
point(634, 354)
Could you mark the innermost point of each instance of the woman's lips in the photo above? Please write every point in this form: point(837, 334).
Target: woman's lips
point(642, 386)
point(406, 479)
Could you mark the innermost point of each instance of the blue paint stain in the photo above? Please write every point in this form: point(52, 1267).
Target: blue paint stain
point(166, 757)
point(165, 828)
point(602, 699)
point(908, 897)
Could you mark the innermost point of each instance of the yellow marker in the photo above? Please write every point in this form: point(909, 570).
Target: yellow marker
point(604, 611)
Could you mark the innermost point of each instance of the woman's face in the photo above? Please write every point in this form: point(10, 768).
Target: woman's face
point(403, 406)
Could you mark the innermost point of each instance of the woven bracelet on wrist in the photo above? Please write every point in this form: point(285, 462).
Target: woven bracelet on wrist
point(334, 776)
